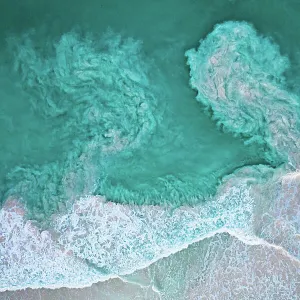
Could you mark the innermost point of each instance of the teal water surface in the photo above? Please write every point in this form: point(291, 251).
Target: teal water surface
point(149, 102)
point(148, 140)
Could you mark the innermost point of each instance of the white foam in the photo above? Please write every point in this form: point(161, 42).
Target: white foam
point(97, 240)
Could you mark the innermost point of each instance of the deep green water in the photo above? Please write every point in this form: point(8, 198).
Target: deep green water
point(45, 128)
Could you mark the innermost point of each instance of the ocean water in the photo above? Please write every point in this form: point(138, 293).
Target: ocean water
point(130, 130)
point(106, 114)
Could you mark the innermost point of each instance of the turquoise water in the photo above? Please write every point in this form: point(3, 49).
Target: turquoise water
point(119, 100)
point(67, 94)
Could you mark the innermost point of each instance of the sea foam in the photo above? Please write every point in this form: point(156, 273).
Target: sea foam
point(95, 239)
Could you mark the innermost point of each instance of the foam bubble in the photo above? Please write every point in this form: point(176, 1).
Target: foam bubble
point(239, 75)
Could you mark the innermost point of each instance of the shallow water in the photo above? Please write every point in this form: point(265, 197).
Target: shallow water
point(46, 124)
point(97, 102)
